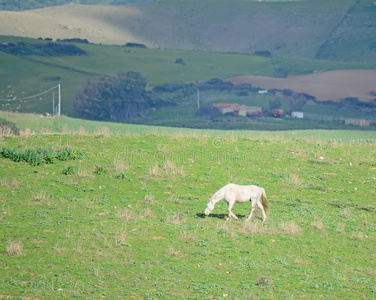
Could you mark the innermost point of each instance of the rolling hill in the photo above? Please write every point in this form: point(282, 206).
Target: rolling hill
point(298, 29)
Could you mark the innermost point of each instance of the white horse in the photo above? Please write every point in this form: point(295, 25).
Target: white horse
point(233, 193)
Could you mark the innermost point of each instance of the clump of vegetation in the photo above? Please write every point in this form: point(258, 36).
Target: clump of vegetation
point(49, 49)
point(40, 155)
point(100, 170)
point(14, 248)
point(7, 128)
point(70, 170)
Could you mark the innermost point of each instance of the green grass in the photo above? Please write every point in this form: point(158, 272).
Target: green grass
point(38, 124)
point(128, 220)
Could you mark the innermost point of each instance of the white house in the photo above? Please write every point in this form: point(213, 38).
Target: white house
point(239, 109)
point(297, 114)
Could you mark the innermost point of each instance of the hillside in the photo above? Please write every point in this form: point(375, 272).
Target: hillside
point(19, 5)
point(298, 29)
point(122, 217)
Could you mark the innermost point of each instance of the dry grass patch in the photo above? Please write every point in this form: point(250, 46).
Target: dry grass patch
point(13, 183)
point(121, 239)
point(187, 237)
point(81, 131)
point(172, 252)
point(294, 180)
point(167, 169)
point(150, 199)
point(146, 213)
point(104, 130)
point(41, 196)
point(318, 223)
point(257, 228)
point(357, 235)
point(345, 213)
point(125, 214)
point(290, 228)
point(176, 218)
point(119, 164)
point(340, 228)
point(84, 173)
point(176, 199)
point(14, 248)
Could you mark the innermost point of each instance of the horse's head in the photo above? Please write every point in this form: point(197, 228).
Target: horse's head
point(209, 208)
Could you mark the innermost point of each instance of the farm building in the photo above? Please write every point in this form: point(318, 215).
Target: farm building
point(238, 109)
point(297, 114)
point(357, 122)
point(277, 113)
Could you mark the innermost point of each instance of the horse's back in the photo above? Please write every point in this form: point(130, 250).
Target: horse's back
point(242, 193)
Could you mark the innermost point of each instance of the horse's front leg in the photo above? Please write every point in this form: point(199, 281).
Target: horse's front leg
point(230, 213)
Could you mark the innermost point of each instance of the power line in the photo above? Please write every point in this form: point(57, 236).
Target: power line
point(32, 96)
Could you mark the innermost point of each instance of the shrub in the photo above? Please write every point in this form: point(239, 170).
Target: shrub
point(7, 128)
point(70, 170)
point(100, 170)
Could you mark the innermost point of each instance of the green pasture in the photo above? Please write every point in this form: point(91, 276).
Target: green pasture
point(126, 220)
point(38, 124)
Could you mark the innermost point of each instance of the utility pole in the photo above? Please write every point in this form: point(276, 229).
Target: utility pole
point(53, 104)
point(198, 95)
point(198, 99)
point(59, 107)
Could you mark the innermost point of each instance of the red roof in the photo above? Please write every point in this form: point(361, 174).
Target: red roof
point(225, 104)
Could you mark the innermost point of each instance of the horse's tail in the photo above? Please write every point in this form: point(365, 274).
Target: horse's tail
point(264, 200)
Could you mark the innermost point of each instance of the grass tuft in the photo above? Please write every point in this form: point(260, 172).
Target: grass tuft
point(14, 248)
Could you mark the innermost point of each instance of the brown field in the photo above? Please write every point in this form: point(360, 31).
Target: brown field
point(331, 85)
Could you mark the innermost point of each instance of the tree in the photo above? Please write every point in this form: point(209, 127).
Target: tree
point(119, 97)
point(274, 104)
point(297, 102)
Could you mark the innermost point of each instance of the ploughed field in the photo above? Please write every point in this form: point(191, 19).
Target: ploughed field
point(331, 85)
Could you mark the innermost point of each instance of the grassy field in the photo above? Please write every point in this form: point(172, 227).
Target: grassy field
point(29, 123)
point(126, 219)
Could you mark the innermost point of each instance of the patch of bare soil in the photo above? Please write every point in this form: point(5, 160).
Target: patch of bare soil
point(331, 85)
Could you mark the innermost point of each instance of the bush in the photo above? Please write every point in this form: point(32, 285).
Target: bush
point(50, 49)
point(70, 170)
point(7, 127)
point(134, 45)
point(99, 170)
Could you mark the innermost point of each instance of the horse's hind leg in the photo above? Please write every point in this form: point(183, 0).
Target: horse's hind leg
point(252, 210)
point(262, 209)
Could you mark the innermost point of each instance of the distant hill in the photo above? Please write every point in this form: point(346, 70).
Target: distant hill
point(339, 30)
point(19, 5)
